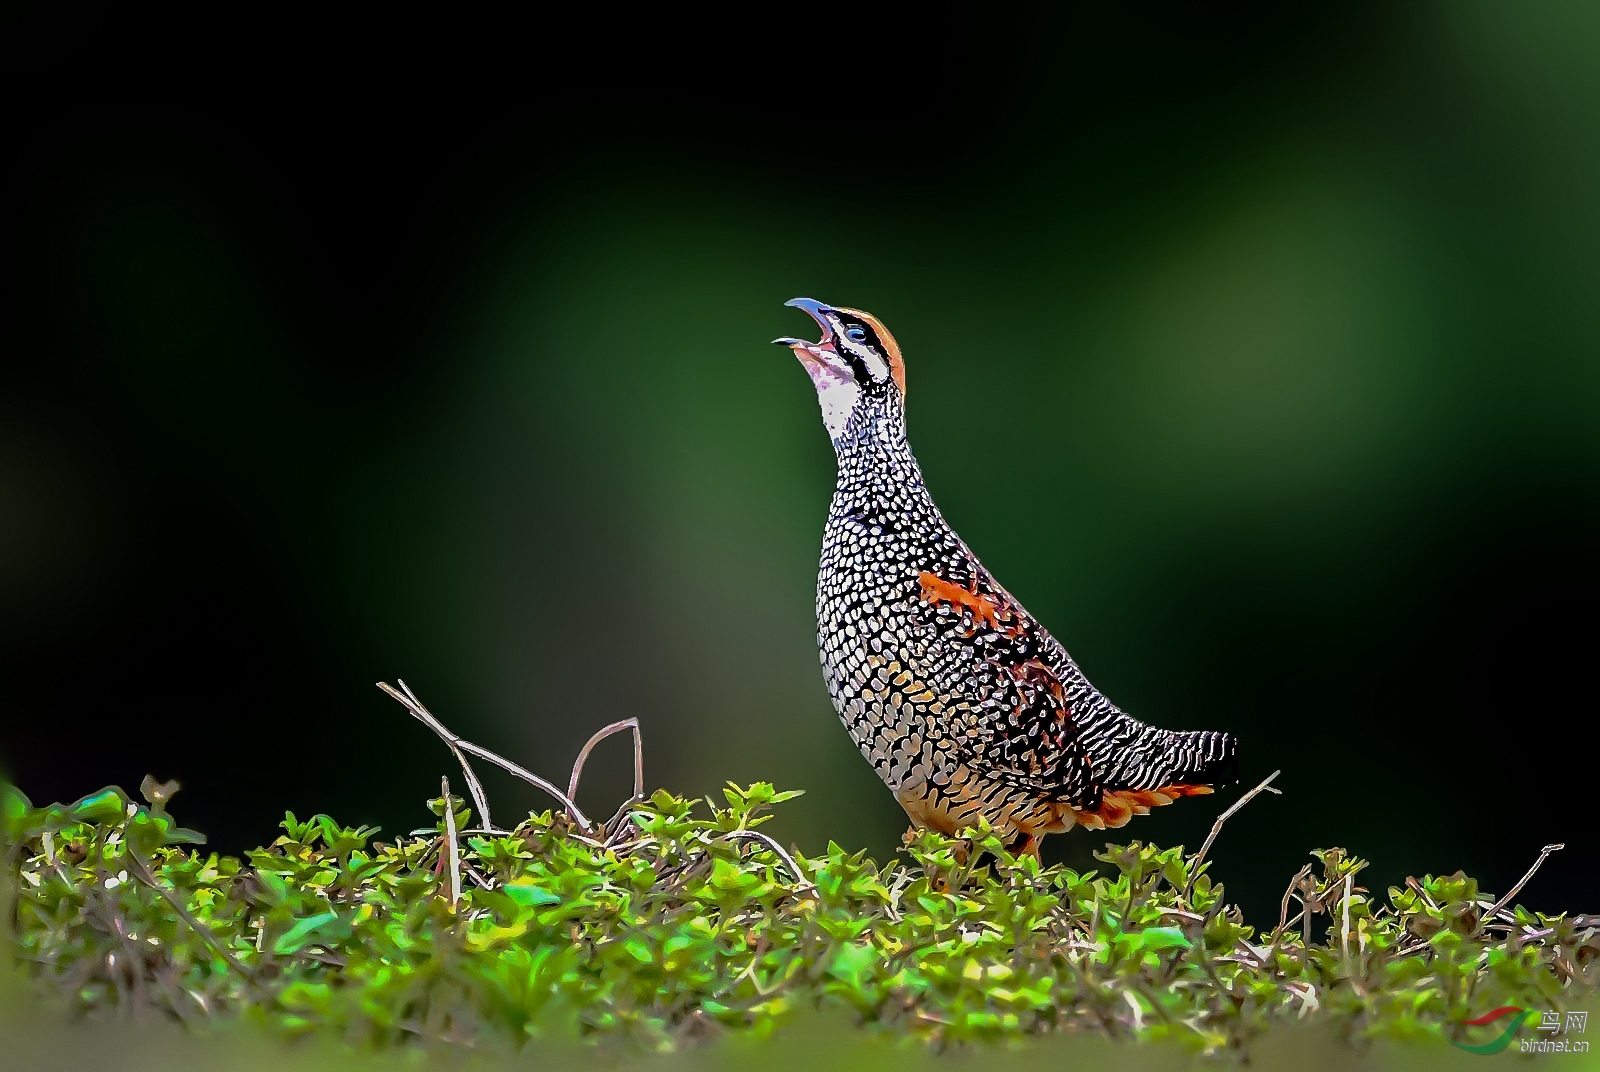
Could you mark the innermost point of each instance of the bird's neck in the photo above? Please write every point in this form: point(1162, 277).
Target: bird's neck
point(875, 431)
point(874, 458)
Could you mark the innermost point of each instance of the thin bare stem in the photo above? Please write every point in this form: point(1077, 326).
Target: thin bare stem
point(455, 742)
point(1216, 828)
point(1523, 881)
point(1138, 1012)
point(1294, 884)
point(450, 841)
point(788, 861)
point(638, 756)
point(147, 874)
point(1417, 886)
point(1305, 929)
point(531, 778)
point(1344, 926)
point(480, 800)
point(619, 830)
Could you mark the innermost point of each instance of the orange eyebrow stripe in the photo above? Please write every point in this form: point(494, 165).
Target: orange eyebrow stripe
point(897, 364)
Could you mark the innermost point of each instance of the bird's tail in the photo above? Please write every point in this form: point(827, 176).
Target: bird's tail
point(1157, 767)
point(1201, 758)
point(1136, 756)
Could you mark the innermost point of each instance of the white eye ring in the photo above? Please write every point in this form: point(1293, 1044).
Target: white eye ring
point(855, 333)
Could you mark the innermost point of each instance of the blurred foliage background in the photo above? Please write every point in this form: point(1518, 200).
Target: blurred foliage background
point(812, 1042)
point(1256, 353)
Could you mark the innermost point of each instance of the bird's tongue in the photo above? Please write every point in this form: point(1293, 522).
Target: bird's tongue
point(815, 358)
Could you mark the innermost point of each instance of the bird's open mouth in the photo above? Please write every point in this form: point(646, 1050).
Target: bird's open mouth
point(802, 347)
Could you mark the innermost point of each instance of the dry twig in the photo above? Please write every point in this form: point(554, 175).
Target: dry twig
point(457, 742)
point(1416, 887)
point(638, 757)
point(1344, 927)
point(1216, 828)
point(450, 841)
point(1283, 916)
point(146, 874)
point(422, 714)
point(788, 861)
point(1523, 881)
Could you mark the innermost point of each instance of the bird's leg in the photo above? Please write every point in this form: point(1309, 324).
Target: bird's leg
point(942, 881)
point(938, 879)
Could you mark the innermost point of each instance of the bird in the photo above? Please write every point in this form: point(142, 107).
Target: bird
point(967, 708)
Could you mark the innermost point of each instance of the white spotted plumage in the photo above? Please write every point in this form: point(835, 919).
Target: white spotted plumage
point(965, 706)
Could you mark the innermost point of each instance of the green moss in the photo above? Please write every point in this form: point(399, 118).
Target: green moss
point(670, 925)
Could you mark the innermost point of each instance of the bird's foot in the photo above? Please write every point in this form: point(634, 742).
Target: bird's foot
point(942, 879)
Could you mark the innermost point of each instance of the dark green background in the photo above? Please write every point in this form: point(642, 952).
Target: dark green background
point(1256, 353)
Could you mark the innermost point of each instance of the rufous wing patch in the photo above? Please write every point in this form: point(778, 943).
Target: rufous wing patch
point(985, 610)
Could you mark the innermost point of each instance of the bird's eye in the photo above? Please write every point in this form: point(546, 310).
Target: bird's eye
point(856, 333)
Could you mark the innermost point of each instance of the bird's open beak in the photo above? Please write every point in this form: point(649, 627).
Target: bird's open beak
point(801, 347)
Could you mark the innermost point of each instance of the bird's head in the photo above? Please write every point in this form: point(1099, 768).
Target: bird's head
point(856, 365)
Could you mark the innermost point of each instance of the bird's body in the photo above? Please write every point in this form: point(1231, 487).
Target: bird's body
point(965, 706)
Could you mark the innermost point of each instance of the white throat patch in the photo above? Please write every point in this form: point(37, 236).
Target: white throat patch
point(837, 390)
point(837, 397)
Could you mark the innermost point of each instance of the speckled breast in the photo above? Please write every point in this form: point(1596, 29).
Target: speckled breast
point(894, 679)
point(875, 651)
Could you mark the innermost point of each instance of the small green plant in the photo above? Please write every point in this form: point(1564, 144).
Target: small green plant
point(679, 919)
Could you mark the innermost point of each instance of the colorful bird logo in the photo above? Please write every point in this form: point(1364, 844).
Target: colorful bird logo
point(1501, 1041)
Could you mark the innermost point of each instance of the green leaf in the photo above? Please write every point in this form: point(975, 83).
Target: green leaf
point(673, 926)
point(299, 935)
point(1165, 938)
point(13, 803)
point(528, 893)
point(106, 806)
point(853, 964)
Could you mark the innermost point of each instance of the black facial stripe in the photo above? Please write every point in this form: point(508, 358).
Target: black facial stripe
point(858, 367)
